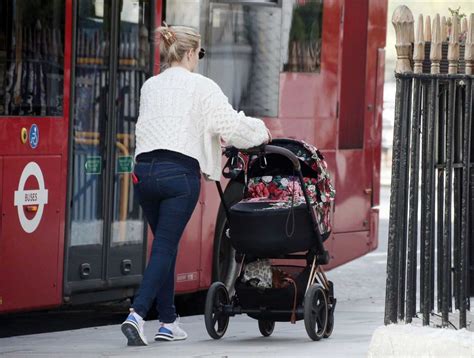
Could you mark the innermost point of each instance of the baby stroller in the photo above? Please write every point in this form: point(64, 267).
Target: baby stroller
point(284, 216)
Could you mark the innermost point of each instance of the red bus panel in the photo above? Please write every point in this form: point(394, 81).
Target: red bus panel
point(30, 238)
point(336, 105)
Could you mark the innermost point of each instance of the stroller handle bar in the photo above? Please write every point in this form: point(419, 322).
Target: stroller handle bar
point(269, 149)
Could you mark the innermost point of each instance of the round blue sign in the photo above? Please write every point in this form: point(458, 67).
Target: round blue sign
point(34, 136)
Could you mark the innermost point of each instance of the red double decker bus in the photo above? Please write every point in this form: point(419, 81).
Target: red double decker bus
point(71, 71)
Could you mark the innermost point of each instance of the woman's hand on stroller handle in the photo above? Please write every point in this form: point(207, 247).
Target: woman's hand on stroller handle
point(263, 149)
point(232, 151)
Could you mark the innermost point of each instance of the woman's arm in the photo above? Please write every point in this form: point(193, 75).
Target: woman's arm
point(235, 128)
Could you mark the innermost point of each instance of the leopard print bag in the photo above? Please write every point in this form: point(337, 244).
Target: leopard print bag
point(258, 273)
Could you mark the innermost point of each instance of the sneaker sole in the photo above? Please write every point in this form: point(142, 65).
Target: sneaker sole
point(168, 338)
point(133, 335)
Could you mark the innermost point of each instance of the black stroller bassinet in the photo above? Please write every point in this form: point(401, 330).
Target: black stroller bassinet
point(284, 215)
point(274, 218)
point(260, 230)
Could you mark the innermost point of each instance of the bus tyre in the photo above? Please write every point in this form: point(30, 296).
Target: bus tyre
point(266, 327)
point(225, 268)
point(315, 312)
point(215, 318)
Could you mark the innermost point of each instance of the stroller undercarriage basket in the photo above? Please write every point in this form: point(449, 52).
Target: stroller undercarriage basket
point(268, 300)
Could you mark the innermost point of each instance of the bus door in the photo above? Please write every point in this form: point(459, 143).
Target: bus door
point(106, 247)
point(354, 156)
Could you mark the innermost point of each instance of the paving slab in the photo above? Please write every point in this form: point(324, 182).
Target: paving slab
point(354, 326)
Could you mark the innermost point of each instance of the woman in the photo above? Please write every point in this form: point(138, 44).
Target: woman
point(183, 118)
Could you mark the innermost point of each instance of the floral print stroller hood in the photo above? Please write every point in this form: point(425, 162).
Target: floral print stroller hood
point(285, 191)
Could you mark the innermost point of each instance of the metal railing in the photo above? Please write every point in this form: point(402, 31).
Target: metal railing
point(431, 202)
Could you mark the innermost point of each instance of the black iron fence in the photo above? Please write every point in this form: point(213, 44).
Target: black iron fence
point(432, 190)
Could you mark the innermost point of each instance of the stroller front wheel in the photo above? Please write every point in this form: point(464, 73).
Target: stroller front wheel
point(214, 316)
point(266, 327)
point(330, 324)
point(315, 312)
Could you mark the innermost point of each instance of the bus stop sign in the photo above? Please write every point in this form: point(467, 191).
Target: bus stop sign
point(24, 197)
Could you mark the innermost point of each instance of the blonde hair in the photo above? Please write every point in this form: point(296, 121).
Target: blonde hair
point(176, 41)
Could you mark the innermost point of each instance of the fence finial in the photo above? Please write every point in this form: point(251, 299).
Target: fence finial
point(419, 47)
point(428, 29)
point(453, 47)
point(444, 29)
point(402, 20)
point(469, 49)
point(435, 52)
point(464, 25)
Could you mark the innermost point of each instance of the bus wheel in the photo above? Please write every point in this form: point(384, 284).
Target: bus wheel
point(225, 268)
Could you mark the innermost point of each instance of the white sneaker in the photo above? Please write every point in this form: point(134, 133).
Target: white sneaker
point(171, 332)
point(133, 329)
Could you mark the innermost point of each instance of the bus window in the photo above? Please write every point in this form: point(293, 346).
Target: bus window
point(31, 57)
point(301, 35)
point(243, 43)
point(250, 42)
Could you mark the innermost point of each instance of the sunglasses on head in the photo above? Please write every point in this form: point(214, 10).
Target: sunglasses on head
point(202, 53)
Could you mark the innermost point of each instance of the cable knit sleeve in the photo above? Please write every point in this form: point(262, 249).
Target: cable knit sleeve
point(235, 128)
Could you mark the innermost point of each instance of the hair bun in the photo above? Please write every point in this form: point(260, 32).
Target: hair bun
point(169, 36)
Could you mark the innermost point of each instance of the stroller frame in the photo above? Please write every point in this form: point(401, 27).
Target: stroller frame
point(317, 308)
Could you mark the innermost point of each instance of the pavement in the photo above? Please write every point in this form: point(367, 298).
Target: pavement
point(353, 329)
point(359, 288)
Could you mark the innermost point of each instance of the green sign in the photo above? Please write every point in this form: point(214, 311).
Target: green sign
point(125, 164)
point(93, 165)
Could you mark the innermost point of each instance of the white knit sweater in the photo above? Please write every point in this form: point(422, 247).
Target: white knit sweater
point(188, 113)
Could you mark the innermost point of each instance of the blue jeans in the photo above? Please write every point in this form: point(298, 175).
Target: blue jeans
point(168, 193)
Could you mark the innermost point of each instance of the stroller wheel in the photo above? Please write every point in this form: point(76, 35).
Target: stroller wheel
point(214, 316)
point(331, 308)
point(330, 324)
point(266, 327)
point(315, 312)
